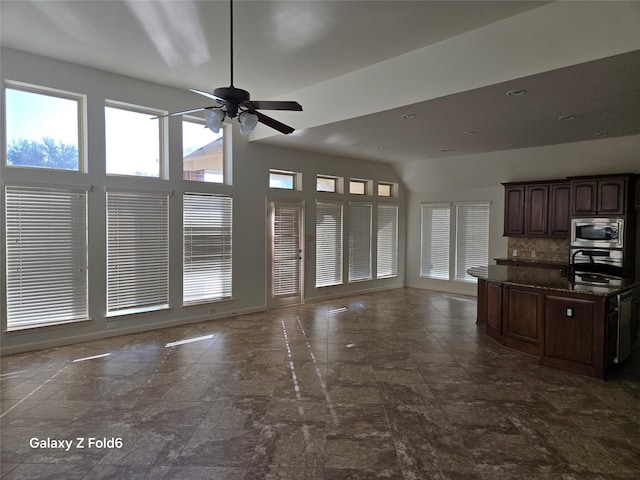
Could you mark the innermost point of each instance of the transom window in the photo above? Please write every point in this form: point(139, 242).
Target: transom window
point(202, 152)
point(358, 187)
point(134, 143)
point(43, 128)
point(325, 183)
point(282, 179)
point(385, 189)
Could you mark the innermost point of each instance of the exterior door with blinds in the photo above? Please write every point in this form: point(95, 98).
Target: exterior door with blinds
point(286, 256)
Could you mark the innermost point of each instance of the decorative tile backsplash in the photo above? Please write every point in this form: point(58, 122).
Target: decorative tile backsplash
point(542, 248)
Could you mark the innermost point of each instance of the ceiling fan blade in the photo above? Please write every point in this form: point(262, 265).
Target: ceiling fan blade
point(184, 112)
point(276, 105)
point(273, 123)
point(207, 94)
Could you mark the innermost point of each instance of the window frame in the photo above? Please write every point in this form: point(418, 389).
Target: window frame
point(79, 98)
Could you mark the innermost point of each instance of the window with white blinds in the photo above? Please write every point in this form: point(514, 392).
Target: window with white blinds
point(137, 252)
point(387, 241)
point(328, 244)
point(286, 251)
point(436, 226)
point(359, 242)
point(472, 238)
point(46, 248)
point(207, 261)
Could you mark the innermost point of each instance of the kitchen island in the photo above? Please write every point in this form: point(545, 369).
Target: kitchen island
point(568, 324)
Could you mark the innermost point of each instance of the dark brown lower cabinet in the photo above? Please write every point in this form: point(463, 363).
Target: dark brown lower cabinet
point(565, 331)
point(574, 334)
point(522, 319)
point(494, 310)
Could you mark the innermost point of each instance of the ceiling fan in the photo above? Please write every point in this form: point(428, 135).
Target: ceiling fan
point(234, 102)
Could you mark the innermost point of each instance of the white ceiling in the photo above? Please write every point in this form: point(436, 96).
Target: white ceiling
point(357, 67)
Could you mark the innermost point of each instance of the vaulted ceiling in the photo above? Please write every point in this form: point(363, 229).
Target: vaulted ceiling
point(395, 81)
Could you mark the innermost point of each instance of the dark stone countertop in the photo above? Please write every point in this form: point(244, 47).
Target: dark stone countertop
point(533, 261)
point(545, 278)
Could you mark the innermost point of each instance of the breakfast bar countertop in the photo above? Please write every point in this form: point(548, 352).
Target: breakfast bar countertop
point(545, 278)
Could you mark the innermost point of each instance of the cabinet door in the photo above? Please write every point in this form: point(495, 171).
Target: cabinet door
point(514, 210)
point(536, 210)
point(481, 301)
point(612, 196)
point(584, 195)
point(572, 334)
point(494, 310)
point(637, 202)
point(559, 214)
point(522, 319)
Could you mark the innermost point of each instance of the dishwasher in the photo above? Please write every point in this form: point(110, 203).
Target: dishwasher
point(624, 310)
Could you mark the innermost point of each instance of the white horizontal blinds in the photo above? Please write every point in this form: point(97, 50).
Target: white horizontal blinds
point(286, 251)
point(46, 235)
point(137, 252)
point(387, 241)
point(472, 238)
point(359, 242)
point(207, 261)
point(328, 244)
point(436, 227)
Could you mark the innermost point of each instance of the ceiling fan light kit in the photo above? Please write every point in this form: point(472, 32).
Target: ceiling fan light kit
point(234, 102)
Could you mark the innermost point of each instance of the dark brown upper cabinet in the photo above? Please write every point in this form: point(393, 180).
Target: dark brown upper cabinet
point(600, 196)
point(537, 209)
point(513, 210)
point(560, 209)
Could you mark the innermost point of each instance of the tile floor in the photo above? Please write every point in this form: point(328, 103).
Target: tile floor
point(397, 385)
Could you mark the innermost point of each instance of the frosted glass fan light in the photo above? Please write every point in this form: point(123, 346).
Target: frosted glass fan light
point(248, 122)
point(214, 119)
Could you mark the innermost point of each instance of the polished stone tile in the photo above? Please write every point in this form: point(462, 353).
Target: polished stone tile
point(295, 445)
point(219, 448)
point(398, 385)
point(374, 452)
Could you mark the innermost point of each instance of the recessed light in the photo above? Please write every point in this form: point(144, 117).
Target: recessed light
point(601, 134)
point(566, 117)
point(470, 133)
point(445, 150)
point(516, 93)
point(409, 115)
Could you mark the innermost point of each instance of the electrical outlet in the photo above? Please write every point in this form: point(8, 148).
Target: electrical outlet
point(514, 253)
point(569, 312)
point(533, 254)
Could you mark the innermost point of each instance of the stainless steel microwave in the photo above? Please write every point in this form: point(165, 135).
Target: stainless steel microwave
point(597, 232)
